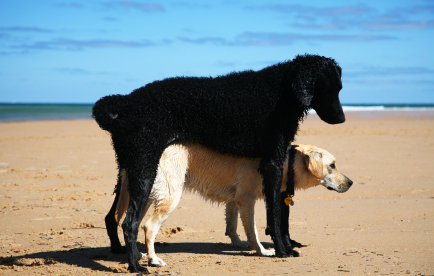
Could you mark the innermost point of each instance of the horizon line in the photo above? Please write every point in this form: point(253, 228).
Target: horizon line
point(346, 104)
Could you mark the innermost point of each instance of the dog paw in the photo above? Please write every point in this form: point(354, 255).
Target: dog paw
point(156, 262)
point(138, 268)
point(297, 244)
point(241, 244)
point(295, 253)
point(265, 252)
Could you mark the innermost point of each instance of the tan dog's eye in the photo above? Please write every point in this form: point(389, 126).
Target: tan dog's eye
point(332, 166)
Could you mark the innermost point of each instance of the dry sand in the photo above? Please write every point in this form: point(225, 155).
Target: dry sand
point(57, 179)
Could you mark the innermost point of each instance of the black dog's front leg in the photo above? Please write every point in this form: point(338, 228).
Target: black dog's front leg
point(284, 227)
point(138, 200)
point(111, 224)
point(272, 183)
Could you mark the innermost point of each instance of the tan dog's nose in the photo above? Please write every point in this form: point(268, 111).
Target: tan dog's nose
point(349, 182)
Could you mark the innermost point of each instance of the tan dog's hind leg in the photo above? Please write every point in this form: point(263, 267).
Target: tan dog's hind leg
point(231, 225)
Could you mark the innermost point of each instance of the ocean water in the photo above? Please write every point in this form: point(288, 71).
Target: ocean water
point(34, 112)
point(387, 107)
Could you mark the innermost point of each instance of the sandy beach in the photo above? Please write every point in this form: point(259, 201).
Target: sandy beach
point(57, 180)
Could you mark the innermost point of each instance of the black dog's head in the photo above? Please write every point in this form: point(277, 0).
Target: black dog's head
point(109, 112)
point(316, 83)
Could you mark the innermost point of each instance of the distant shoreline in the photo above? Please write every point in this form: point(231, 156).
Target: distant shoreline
point(16, 112)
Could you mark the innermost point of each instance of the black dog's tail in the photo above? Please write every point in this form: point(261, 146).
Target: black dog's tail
point(109, 112)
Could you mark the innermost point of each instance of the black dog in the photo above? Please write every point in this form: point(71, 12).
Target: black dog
point(249, 114)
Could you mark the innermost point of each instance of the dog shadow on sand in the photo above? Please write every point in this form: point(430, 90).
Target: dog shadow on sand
point(90, 257)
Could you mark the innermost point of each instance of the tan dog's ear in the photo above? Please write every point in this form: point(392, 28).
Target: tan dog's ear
point(313, 162)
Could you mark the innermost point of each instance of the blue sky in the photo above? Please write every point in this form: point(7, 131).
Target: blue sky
point(78, 51)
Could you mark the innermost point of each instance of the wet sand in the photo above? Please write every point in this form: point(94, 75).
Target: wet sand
point(57, 179)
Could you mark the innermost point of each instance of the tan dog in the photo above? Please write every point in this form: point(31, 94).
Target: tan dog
point(225, 179)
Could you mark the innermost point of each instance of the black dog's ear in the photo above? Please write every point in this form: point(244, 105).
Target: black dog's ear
point(303, 88)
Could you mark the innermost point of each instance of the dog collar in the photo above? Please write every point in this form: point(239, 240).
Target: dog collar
point(290, 182)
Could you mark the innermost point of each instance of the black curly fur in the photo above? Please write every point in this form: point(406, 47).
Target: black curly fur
point(248, 114)
point(110, 221)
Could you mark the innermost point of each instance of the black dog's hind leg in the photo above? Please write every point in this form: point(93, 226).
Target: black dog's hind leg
point(111, 223)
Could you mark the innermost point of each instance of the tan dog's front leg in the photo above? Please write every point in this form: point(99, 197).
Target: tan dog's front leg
point(247, 212)
point(162, 211)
